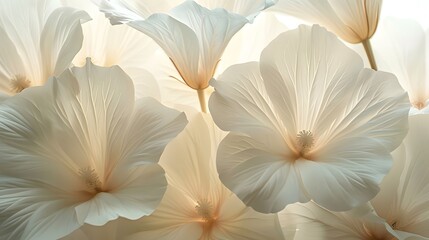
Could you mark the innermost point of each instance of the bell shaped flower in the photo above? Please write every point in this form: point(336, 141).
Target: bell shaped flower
point(355, 21)
point(80, 150)
point(196, 204)
point(402, 48)
point(38, 39)
point(193, 37)
point(307, 122)
point(310, 221)
point(404, 197)
point(107, 45)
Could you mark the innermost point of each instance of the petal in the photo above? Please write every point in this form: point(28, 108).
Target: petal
point(151, 128)
point(400, 43)
point(177, 40)
point(249, 9)
point(241, 222)
point(190, 160)
point(345, 177)
point(171, 220)
point(61, 39)
point(110, 231)
point(411, 197)
point(308, 63)
point(33, 210)
point(240, 103)
point(258, 173)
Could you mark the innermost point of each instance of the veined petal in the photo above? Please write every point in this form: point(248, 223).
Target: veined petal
point(258, 173)
point(61, 39)
point(34, 210)
point(177, 40)
point(113, 230)
point(241, 222)
point(409, 203)
point(353, 21)
point(189, 160)
point(314, 222)
point(159, 126)
point(312, 69)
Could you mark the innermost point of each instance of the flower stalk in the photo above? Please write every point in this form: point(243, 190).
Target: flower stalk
point(202, 99)
point(369, 53)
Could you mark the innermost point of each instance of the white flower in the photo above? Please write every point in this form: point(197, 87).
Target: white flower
point(196, 204)
point(404, 197)
point(38, 39)
point(107, 45)
point(355, 21)
point(192, 36)
point(79, 150)
point(307, 123)
point(352, 20)
point(401, 47)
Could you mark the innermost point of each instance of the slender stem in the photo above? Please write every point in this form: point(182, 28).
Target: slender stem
point(202, 99)
point(369, 53)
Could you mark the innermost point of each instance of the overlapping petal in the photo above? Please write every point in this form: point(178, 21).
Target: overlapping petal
point(38, 44)
point(311, 122)
point(196, 204)
point(79, 150)
point(403, 199)
point(354, 20)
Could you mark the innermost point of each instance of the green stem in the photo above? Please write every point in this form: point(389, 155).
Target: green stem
point(369, 53)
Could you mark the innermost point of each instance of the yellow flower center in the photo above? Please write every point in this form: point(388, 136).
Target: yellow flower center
point(19, 83)
point(305, 141)
point(206, 216)
point(91, 179)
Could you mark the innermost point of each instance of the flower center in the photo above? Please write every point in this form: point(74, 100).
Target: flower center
point(19, 83)
point(419, 105)
point(305, 141)
point(205, 210)
point(91, 179)
point(206, 213)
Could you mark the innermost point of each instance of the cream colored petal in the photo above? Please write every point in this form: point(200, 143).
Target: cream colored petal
point(318, 12)
point(411, 197)
point(151, 128)
point(398, 49)
point(190, 160)
point(34, 210)
point(110, 231)
point(61, 39)
point(240, 222)
point(173, 219)
point(241, 103)
point(249, 9)
point(307, 73)
point(258, 173)
point(23, 21)
point(136, 197)
point(177, 40)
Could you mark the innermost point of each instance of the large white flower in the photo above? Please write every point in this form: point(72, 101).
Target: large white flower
point(79, 150)
point(38, 39)
point(355, 21)
point(307, 122)
point(402, 48)
point(404, 197)
point(196, 204)
point(193, 37)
